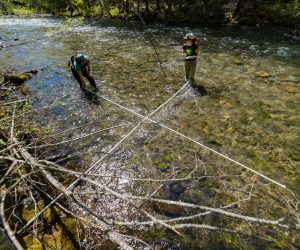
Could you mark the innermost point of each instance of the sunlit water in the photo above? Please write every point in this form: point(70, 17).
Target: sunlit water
point(252, 119)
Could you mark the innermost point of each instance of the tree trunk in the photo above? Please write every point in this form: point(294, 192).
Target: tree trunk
point(169, 12)
point(243, 5)
point(158, 5)
point(147, 7)
point(126, 6)
point(179, 4)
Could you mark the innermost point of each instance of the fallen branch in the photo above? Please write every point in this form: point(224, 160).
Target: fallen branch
point(184, 204)
point(112, 235)
point(74, 139)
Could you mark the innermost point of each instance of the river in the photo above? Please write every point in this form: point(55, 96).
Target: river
point(250, 112)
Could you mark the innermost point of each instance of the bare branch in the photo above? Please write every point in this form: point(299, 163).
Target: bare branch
point(77, 138)
point(189, 205)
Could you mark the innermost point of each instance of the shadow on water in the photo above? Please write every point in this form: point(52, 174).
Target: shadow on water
point(198, 88)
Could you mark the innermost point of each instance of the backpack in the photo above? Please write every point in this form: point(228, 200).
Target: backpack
point(195, 41)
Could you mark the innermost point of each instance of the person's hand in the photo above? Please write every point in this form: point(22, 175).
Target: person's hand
point(69, 63)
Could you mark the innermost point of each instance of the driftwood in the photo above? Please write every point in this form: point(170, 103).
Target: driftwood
point(113, 236)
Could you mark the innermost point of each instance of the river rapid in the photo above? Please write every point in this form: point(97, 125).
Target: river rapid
point(250, 113)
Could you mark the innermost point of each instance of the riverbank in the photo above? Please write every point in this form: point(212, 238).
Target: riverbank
point(256, 13)
point(22, 186)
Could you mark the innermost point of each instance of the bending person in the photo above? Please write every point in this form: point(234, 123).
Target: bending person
point(81, 67)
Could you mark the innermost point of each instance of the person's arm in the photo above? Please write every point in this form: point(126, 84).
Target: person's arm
point(70, 62)
point(197, 51)
point(184, 52)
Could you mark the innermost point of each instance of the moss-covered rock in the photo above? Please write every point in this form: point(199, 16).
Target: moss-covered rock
point(56, 231)
point(16, 78)
point(164, 167)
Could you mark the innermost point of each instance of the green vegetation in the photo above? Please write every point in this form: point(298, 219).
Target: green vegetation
point(22, 11)
point(254, 12)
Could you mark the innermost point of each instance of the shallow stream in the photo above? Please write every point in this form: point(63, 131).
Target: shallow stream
point(251, 111)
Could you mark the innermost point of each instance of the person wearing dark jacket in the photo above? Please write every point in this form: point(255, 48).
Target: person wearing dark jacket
point(81, 67)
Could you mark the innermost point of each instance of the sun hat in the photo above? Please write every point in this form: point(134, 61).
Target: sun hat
point(189, 36)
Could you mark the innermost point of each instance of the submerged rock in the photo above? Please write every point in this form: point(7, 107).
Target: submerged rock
point(18, 78)
point(291, 89)
point(169, 209)
point(263, 74)
point(237, 62)
point(5, 242)
point(177, 188)
point(293, 35)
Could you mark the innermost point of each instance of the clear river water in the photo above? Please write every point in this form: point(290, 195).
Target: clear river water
point(250, 111)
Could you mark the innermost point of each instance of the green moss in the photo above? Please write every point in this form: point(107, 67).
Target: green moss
point(167, 158)
point(230, 241)
point(261, 164)
point(183, 174)
point(62, 233)
point(72, 227)
point(55, 240)
point(32, 243)
point(216, 140)
point(28, 214)
point(281, 241)
point(27, 133)
point(3, 113)
point(2, 143)
point(17, 78)
point(25, 105)
point(164, 167)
